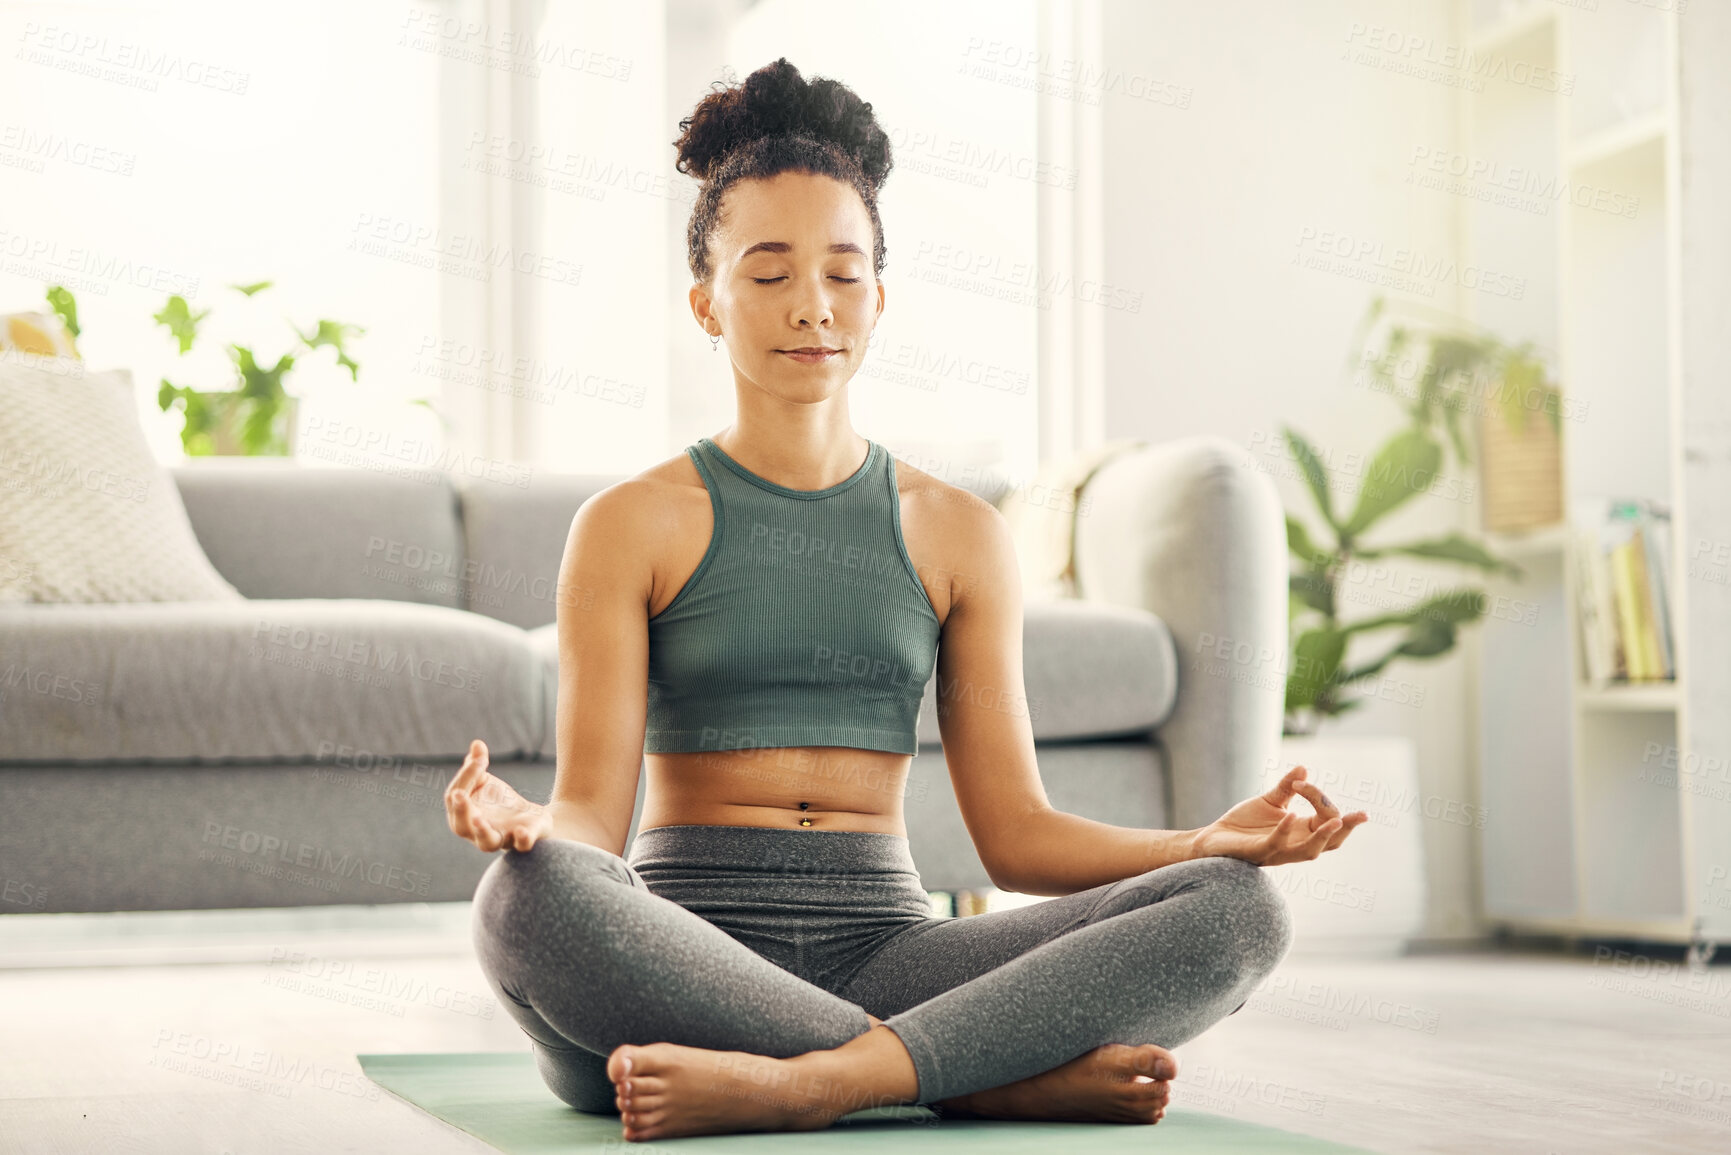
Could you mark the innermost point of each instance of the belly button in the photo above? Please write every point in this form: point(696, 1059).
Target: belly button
point(805, 822)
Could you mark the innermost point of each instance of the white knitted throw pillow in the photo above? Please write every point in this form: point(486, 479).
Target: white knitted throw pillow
point(86, 512)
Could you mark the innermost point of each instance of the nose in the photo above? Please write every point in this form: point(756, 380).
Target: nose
point(816, 307)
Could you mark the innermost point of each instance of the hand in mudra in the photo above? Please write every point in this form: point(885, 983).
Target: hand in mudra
point(484, 809)
point(1262, 830)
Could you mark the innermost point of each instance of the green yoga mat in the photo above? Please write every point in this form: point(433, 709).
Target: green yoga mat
point(500, 1099)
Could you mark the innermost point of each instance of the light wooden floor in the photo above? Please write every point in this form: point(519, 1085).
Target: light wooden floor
point(1468, 1053)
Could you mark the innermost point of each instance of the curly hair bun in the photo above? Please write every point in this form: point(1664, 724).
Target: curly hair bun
point(777, 101)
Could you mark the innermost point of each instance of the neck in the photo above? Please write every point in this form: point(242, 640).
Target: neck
point(810, 458)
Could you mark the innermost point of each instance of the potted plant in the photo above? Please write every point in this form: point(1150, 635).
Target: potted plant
point(1451, 365)
point(1445, 371)
point(256, 416)
point(1378, 896)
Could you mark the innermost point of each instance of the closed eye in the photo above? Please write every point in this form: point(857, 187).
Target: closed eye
point(773, 280)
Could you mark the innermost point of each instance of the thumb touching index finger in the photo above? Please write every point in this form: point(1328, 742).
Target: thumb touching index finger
point(1282, 791)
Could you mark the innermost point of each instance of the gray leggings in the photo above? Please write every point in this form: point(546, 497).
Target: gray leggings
point(777, 941)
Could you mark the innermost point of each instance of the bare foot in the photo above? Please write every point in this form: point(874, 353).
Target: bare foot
point(665, 1090)
point(1114, 1083)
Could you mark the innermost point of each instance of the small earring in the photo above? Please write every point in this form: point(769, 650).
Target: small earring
point(715, 343)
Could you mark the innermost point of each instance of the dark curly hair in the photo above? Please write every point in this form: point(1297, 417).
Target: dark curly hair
point(774, 122)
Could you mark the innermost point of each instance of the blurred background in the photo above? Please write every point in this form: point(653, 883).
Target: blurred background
point(1450, 276)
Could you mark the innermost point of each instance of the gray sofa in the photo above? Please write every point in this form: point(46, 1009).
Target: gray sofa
point(292, 749)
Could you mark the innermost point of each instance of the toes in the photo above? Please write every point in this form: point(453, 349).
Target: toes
point(1155, 1062)
point(1155, 1092)
point(646, 1120)
point(646, 1087)
point(636, 1062)
point(621, 1061)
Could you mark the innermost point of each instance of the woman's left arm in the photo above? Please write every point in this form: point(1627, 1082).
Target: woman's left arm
point(1024, 843)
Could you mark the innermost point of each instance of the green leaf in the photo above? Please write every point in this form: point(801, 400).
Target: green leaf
point(258, 431)
point(1314, 590)
point(200, 418)
point(1315, 659)
point(255, 287)
point(334, 334)
point(257, 382)
point(1455, 606)
point(1454, 548)
point(1429, 638)
point(60, 299)
point(180, 321)
point(1314, 474)
point(1298, 541)
point(1369, 670)
point(1403, 468)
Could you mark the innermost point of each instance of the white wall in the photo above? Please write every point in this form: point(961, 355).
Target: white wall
point(1266, 126)
point(150, 149)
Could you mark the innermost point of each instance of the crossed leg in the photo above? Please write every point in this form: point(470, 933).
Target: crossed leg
point(585, 958)
point(1154, 958)
point(1000, 1009)
point(596, 968)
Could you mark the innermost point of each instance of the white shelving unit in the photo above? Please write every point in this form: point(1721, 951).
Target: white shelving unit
point(1604, 814)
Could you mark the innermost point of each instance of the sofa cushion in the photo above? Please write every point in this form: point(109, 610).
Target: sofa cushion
point(1090, 671)
point(515, 537)
point(544, 644)
point(208, 682)
point(86, 513)
point(279, 529)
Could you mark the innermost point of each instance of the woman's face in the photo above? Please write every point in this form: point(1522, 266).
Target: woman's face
point(792, 269)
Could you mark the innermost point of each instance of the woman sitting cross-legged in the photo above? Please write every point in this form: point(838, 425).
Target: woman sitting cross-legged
point(766, 958)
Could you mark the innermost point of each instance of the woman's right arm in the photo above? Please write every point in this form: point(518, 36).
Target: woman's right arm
point(605, 584)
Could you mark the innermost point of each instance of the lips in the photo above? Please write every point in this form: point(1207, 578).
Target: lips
point(810, 356)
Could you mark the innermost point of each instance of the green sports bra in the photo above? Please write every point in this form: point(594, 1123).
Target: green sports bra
point(804, 624)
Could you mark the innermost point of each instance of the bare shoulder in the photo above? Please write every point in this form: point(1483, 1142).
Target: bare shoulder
point(938, 499)
point(628, 527)
point(955, 532)
point(645, 504)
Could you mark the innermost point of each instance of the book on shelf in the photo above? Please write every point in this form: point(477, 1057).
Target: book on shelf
point(1621, 555)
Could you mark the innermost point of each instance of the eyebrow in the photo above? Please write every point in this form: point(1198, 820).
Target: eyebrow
point(784, 247)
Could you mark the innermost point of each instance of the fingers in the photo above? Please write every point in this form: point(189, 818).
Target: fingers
point(1286, 849)
point(1324, 808)
point(474, 767)
point(482, 833)
point(515, 833)
point(1281, 792)
point(458, 812)
point(1317, 842)
point(1275, 842)
point(466, 821)
point(1348, 824)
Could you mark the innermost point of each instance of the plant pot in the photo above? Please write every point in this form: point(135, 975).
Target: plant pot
point(1369, 894)
point(1520, 472)
point(225, 429)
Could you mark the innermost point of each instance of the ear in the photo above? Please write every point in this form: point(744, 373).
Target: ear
point(701, 305)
